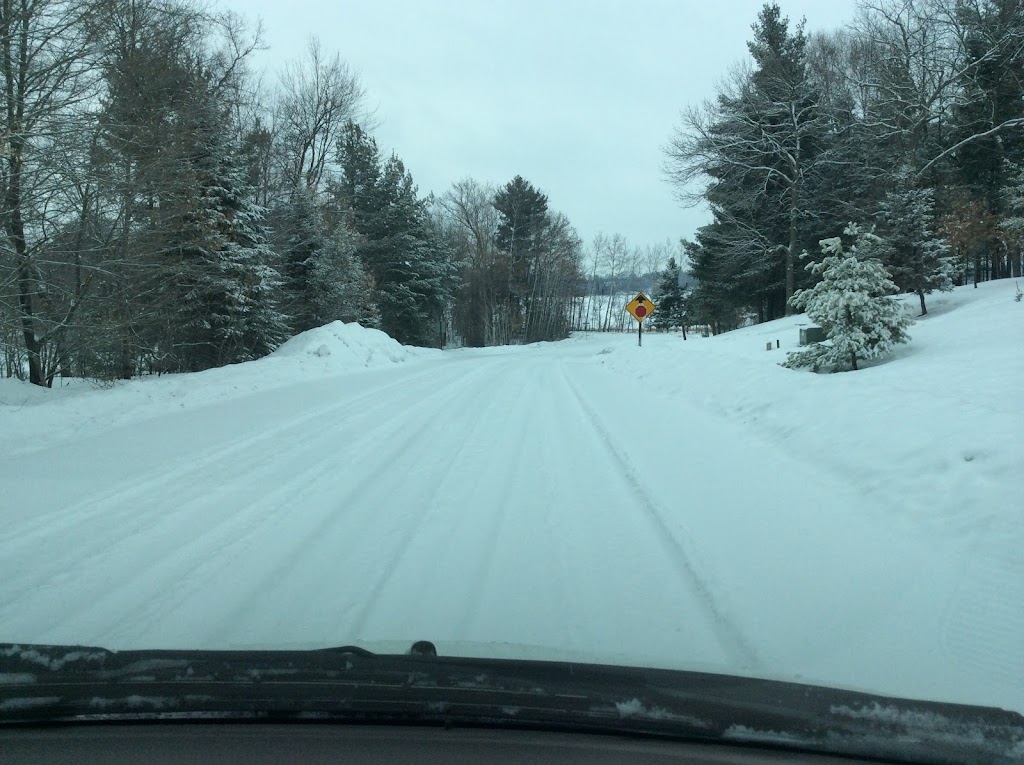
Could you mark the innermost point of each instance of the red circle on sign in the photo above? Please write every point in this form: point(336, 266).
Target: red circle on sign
point(640, 311)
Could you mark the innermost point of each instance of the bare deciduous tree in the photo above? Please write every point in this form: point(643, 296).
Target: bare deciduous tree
point(318, 95)
point(918, 72)
point(45, 80)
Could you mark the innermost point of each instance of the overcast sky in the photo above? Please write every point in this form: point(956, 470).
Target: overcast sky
point(577, 96)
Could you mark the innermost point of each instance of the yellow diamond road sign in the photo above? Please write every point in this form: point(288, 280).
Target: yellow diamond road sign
point(640, 307)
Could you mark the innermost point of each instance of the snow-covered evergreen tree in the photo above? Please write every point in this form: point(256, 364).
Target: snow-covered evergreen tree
point(918, 260)
point(853, 304)
point(1012, 225)
point(408, 262)
point(299, 234)
point(253, 326)
point(346, 290)
point(323, 280)
point(669, 298)
point(219, 282)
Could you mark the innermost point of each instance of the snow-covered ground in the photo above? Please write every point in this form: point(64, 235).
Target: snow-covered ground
point(684, 504)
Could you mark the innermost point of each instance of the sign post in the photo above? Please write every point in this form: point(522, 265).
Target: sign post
point(640, 308)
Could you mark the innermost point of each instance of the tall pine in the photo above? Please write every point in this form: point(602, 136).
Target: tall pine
point(407, 260)
point(523, 221)
point(218, 284)
point(668, 296)
point(919, 260)
point(322, 278)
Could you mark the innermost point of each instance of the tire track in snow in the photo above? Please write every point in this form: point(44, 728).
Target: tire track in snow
point(434, 595)
point(732, 638)
point(174, 565)
point(387, 572)
point(361, 515)
point(485, 568)
point(126, 509)
point(71, 519)
point(425, 497)
point(315, 544)
point(985, 614)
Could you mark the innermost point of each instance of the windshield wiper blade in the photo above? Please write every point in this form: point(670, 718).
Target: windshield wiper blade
point(419, 648)
point(352, 649)
point(40, 684)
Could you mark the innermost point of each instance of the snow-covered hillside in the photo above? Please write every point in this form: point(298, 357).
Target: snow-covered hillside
point(938, 426)
point(686, 504)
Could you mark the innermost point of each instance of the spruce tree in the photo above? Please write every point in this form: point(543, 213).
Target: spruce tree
point(218, 281)
point(406, 260)
point(1012, 226)
point(410, 263)
point(523, 221)
point(524, 216)
point(322, 278)
point(668, 296)
point(853, 304)
point(918, 260)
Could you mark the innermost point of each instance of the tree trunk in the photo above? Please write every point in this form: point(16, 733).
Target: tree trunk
point(920, 294)
point(33, 348)
point(794, 198)
point(853, 360)
point(14, 91)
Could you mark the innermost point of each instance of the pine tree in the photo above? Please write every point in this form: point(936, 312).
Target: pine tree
point(524, 216)
point(990, 108)
point(299, 234)
point(356, 190)
point(523, 222)
point(1012, 226)
point(148, 81)
point(219, 285)
point(668, 296)
point(918, 260)
point(407, 261)
point(322, 278)
point(716, 299)
point(763, 152)
point(853, 304)
point(344, 292)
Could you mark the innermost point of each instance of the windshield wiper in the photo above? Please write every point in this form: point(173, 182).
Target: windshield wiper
point(419, 648)
point(352, 649)
point(62, 684)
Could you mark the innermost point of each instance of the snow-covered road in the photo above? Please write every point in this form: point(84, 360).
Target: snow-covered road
point(477, 497)
point(533, 501)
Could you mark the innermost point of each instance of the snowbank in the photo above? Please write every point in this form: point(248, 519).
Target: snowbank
point(931, 439)
point(340, 347)
point(32, 417)
point(940, 424)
